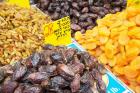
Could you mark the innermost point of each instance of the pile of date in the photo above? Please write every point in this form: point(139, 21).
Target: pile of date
point(54, 70)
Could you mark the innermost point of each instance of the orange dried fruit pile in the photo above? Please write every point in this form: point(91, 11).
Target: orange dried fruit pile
point(115, 41)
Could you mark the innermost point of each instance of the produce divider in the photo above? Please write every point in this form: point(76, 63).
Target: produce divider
point(114, 85)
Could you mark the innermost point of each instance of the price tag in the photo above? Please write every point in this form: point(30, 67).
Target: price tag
point(21, 3)
point(58, 32)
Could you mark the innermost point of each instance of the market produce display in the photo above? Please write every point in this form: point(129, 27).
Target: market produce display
point(115, 41)
point(108, 29)
point(83, 13)
point(20, 32)
point(54, 70)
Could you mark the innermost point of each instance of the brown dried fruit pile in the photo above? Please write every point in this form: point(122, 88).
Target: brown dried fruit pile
point(54, 70)
point(83, 13)
point(20, 32)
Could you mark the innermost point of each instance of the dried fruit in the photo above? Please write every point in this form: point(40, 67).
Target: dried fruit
point(138, 79)
point(119, 70)
point(117, 40)
point(20, 32)
point(19, 73)
point(9, 86)
point(83, 13)
point(137, 89)
point(38, 77)
point(77, 72)
point(135, 63)
point(123, 38)
point(130, 72)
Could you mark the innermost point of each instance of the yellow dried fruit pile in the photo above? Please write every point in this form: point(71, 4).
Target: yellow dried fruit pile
point(20, 32)
point(115, 41)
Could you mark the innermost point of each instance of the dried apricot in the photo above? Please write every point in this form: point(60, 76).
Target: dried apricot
point(102, 58)
point(98, 51)
point(114, 32)
point(129, 23)
point(109, 50)
point(137, 89)
point(103, 39)
point(130, 72)
point(91, 52)
point(119, 70)
point(91, 46)
point(112, 62)
point(131, 11)
point(104, 31)
point(78, 35)
point(134, 42)
point(123, 38)
point(132, 52)
point(94, 32)
point(134, 33)
point(132, 19)
point(135, 63)
point(88, 33)
point(91, 40)
point(116, 24)
point(138, 79)
point(138, 20)
point(81, 41)
point(122, 28)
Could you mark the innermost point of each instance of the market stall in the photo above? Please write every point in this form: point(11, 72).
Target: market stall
point(69, 46)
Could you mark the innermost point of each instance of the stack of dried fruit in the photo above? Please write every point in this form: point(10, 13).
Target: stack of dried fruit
point(83, 13)
point(116, 43)
point(20, 32)
point(54, 70)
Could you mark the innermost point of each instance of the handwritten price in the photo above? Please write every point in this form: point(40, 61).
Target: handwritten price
point(49, 29)
point(58, 32)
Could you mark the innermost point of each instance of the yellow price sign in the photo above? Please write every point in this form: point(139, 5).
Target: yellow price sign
point(21, 3)
point(58, 32)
